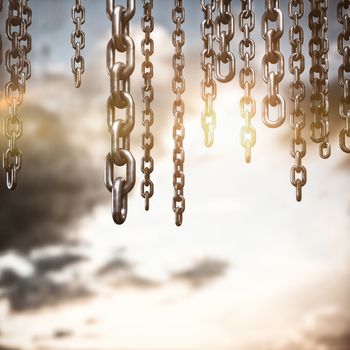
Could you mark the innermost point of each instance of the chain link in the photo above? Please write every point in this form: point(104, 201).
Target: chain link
point(147, 48)
point(297, 95)
point(78, 42)
point(120, 99)
point(224, 34)
point(247, 77)
point(1, 55)
point(319, 100)
point(273, 57)
point(344, 80)
point(208, 59)
point(18, 65)
point(178, 87)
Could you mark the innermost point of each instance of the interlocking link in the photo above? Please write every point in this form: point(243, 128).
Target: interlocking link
point(297, 95)
point(343, 73)
point(18, 66)
point(119, 101)
point(147, 48)
point(178, 87)
point(273, 57)
point(1, 55)
point(208, 60)
point(78, 42)
point(247, 77)
point(224, 34)
point(319, 100)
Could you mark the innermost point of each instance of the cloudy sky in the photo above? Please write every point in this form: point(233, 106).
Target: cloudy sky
point(249, 269)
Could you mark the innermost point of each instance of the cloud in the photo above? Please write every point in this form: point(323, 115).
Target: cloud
point(202, 272)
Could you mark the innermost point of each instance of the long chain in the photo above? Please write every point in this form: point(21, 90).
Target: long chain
point(178, 87)
point(78, 42)
point(344, 81)
point(224, 33)
point(319, 101)
point(147, 47)
point(273, 56)
point(208, 59)
point(297, 95)
point(1, 55)
point(18, 65)
point(247, 76)
point(120, 99)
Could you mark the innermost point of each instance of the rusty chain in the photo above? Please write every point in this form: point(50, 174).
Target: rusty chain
point(120, 100)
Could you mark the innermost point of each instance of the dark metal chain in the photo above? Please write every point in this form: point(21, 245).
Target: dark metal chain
point(178, 87)
point(1, 56)
point(78, 42)
point(120, 99)
point(18, 65)
point(224, 33)
point(344, 80)
point(147, 47)
point(319, 101)
point(247, 76)
point(208, 59)
point(273, 57)
point(297, 95)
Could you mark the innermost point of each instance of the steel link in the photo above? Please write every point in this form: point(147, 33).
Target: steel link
point(147, 48)
point(120, 99)
point(178, 87)
point(273, 57)
point(319, 100)
point(208, 61)
point(247, 77)
point(344, 80)
point(78, 42)
point(297, 95)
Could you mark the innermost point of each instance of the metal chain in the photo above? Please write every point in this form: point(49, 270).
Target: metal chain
point(224, 33)
point(319, 100)
point(178, 87)
point(344, 81)
point(120, 99)
point(147, 48)
point(208, 59)
point(247, 77)
point(18, 65)
point(298, 174)
point(78, 42)
point(274, 57)
point(1, 55)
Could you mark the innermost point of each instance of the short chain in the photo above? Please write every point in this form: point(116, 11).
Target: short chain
point(297, 95)
point(178, 87)
point(319, 101)
point(19, 68)
point(78, 42)
point(273, 57)
point(1, 55)
point(224, 34)
point(208, 59)
point(120, 99)
point(344, 80)
point(247, 77)
point(147, 48)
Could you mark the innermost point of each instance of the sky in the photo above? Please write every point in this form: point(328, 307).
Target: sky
point(249, 269)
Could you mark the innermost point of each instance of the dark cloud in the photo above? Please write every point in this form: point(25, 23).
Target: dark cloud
point(202, 272)
point(62, 333)
point(116, 265)
point(8, 278)
point(4, 347)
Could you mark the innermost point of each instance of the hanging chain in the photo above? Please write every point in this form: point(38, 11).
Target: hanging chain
point(178, 87)
point(18, 65)
point(208, 59)
point(344, 81)
point(273, 56)
point(224, 33)
point(1, 55)
point(147, 48)
point(120, 99)
point(247, 77)
point(297, 95)
point(319, 100)
point(78, 42)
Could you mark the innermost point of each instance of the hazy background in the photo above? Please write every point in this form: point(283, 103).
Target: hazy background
point(249, 269)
